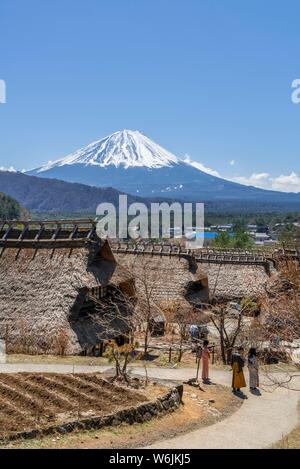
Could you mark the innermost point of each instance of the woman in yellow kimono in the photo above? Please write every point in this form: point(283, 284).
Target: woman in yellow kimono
point(237, 364)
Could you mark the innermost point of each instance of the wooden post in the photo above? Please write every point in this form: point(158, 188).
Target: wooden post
point(198, 367)
point(170, 354)
point(199, 355)
point(6, 339)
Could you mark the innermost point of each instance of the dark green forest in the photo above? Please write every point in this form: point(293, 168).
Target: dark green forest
point(9, 208)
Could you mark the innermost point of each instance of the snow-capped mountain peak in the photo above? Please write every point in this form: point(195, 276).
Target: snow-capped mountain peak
point(127, 148)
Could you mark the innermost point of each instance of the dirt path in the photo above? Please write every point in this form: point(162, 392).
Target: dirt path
point(259, 423)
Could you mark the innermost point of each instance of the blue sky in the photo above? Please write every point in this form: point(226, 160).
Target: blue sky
point(211, 79)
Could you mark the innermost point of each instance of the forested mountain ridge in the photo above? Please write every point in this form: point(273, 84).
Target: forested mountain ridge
point(35, 193)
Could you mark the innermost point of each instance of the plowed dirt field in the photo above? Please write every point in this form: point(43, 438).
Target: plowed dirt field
point(30, 401)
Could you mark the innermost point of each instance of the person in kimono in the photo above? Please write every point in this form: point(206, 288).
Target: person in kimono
point(205, 361)
point(237, 365)
point(253, 369)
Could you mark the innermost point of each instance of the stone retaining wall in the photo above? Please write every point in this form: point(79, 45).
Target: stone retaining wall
point(164, 404)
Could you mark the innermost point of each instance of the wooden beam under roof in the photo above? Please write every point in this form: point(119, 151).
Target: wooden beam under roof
point(75, 229)
point(91, 232)
point(40, 232)
point(80, 221)
point(45, 243)
point(24, 231)
point(56, 232)
point(9, 229)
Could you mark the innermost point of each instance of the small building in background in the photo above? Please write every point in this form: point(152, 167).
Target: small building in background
point(261, 238)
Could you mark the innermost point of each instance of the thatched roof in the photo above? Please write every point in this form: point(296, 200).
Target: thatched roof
point(232, 282)
point(277, 285)
point(170, 278)
point(43, 288)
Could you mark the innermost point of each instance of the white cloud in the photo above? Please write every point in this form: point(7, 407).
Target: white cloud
point(290, 183)
point(283, 183)
point(11, 169)
point(256, 179)
point(201, 166)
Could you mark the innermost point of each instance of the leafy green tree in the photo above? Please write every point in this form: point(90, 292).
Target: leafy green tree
point(222, 240)
point(242, 240)
point(239, 226)
point(9, 208)
point(237, 240)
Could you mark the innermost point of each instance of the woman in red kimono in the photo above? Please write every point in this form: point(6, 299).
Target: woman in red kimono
point(205, 361)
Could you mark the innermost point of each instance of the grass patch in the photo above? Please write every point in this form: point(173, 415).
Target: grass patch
point(292, 440)
point(54, 359)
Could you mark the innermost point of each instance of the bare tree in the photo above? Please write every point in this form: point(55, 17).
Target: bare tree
point(146, 282)
point(182, 314)
point(280, 320)
point(231, 324)
point(147, 275)
point(281, 304)
point(62, 341)
point(116, 317)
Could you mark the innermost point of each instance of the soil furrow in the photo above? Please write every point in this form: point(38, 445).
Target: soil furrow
point(21, 399)
point(33, 386)
point(75, 392)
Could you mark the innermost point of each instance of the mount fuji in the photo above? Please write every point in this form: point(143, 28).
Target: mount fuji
point(130, 162)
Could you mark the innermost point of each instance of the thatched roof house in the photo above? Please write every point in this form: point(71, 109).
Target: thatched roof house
point(50, 275)
point(199, 279)
point(170, 278)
